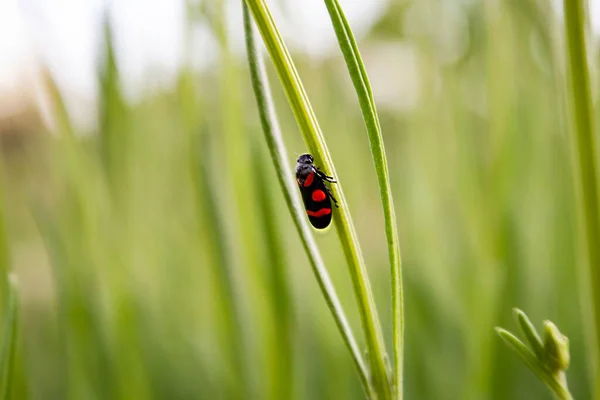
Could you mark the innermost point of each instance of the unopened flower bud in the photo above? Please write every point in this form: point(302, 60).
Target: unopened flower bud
point(556, 348)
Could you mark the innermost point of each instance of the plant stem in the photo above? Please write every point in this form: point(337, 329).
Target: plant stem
point(9, 339)
point(364, 93)
point(586, 174)
point(280, 160)
point(309, 127)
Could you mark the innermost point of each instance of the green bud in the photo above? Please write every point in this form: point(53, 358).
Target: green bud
point(556, 348)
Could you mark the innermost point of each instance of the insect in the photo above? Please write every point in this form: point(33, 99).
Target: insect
point(316, 196)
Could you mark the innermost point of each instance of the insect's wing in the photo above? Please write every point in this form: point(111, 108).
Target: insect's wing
point(317, 203)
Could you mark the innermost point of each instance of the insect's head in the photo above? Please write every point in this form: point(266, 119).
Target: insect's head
point(304, 166)
point(305, 159)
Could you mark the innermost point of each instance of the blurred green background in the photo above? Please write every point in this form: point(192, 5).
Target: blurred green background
point(157, 258)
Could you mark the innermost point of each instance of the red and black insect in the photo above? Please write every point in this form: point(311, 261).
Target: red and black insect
point(317, 197)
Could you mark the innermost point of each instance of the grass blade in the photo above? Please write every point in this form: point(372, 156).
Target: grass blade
point(280, 160)
point(9, 338)
point(586, 175)
point(364, 93)
point(311, 132)
point(530, 333)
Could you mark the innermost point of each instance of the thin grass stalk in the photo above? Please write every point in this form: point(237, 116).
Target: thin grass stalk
point(9, 338)
point(364, 93)
point(311, 132)
point(586, 174)
point(279, 156)
point(4, 250)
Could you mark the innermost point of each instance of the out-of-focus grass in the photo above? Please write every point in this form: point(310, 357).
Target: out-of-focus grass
point(586, 177)
point(9, 338)
point(479, 167)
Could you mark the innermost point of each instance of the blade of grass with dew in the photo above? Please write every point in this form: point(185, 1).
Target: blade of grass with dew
point(586, 175)
point(280, 160)
point(9, 338)
point(364, 93)
point(311, 132)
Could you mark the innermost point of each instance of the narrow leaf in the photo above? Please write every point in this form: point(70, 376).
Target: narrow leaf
point(364, 93)
point(586, 174)
point(9, 338)
point(530, 333)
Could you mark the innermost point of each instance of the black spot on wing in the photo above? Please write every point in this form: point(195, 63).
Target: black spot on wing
point(321, 222)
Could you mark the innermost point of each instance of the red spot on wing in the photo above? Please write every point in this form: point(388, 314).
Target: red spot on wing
point(309, 179)
point(320, 213)
point(318, 195)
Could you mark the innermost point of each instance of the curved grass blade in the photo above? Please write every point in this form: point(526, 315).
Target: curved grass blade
point(313, 137)
point(280, 160)
point(9, 338)
point(364, 93)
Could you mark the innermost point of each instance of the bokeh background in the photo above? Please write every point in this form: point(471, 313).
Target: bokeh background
point(157, 259)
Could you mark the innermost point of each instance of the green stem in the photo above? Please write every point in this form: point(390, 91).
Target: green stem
point(585, 169)
point(280, 160)
point(9, 339)
point(364, 93)
point(311, 132)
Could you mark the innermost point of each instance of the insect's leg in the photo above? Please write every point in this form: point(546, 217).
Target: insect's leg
point(325, 177)
point(332, 197)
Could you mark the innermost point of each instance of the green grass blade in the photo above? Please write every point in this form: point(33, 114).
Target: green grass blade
point(585, 170)
point(9, 338)
point(280, 160)
point(311, 132)
point(364, 93)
